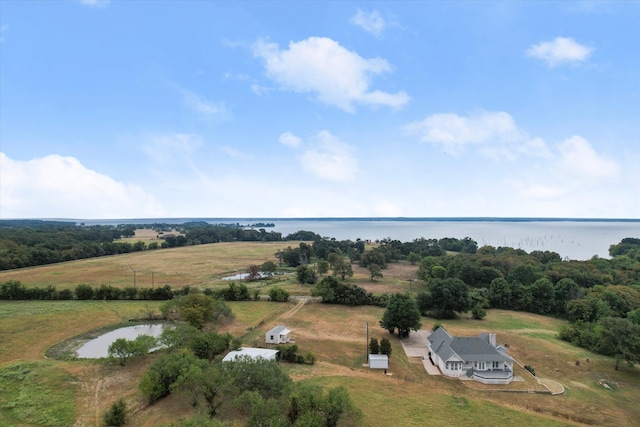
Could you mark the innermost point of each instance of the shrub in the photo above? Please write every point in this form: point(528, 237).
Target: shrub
point(278, 294)
point(478, 312)
point(116, 415)
point(84, 292)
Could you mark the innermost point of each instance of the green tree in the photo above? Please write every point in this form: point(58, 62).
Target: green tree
point(261, 410)
point(619, 338)
point(478, 312)
point(205, 382)
point(374, 346)
point(322, 266)
point(449, 296)
point(402, 314)
point(207, 345)
point(385, 346)
point(524, 274)
point(564, 291)
point(116, 416)
point(84, 292)
point(413, 258)
point(500, 293)
point(196, 308)
point(543, 301)
point(266, 377)
point(269, 268)
point(123, 349)
point(342, 268)
point(634, 316)
point(158, 380)
point(306, 275)
point(337, 405)
point(278, 294)
point(375, 271)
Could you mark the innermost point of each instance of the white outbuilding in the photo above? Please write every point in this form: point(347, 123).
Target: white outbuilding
point(378, 361)
point(251, 353)
point(278, 335)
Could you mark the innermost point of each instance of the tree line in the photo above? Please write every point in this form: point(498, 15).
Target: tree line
point(599, 297)
point(259, 391)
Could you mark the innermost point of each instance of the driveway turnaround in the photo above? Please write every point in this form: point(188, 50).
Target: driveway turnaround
point(416, 346)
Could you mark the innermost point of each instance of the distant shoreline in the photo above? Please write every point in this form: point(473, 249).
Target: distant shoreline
point(178, 220)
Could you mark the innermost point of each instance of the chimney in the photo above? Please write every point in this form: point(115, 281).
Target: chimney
point(492, 339)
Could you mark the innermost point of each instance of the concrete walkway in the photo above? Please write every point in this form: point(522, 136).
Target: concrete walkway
point(416, 346)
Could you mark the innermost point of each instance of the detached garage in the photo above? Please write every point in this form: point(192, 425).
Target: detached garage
point(378, 361)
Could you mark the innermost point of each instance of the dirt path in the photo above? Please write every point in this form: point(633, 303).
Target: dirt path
point(96, 402)
point(294, 310)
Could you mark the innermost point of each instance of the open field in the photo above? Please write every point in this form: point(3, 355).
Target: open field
point(334, 334)
point(201, 265)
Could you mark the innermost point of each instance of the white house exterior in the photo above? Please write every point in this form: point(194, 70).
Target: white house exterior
point(278, 335)
point(252, 353)
point(479, 358)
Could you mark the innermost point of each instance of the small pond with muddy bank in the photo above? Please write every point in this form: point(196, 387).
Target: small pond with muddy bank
point(95, 344)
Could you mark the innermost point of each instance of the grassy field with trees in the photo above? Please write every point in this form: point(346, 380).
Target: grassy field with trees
point(600, 389)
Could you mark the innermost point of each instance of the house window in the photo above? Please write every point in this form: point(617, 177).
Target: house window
point(496, 365)
point(481, 365)
point(271, 336)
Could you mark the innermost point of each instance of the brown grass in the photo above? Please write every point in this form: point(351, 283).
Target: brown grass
point(201, 265)
point(336, 335)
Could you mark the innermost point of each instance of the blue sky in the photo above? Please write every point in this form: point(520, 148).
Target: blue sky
point(136, 109)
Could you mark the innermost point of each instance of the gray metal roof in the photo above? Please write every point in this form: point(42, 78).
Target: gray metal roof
point(469, 349)
point(277, 330)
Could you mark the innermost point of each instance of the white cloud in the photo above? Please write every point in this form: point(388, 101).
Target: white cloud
point(203, 106)
point(3, 29)
point(578, 157)
point(370, 22)
point(94, 3)
point(289, 139)
point(455, 132)
point(338, 76)
point(61, 187)
point(561, 51)
point(166, 148)
point(329, 158)
point(232, 152)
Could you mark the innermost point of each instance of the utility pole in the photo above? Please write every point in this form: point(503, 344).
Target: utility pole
point(134, 279)
point(152, 281)
point(367, 344)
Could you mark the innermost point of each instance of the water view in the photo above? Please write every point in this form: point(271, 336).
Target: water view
point(576, 239)
point(99, 347)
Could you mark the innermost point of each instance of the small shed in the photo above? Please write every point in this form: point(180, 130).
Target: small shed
point(252, 353)
point(278, 335)
point(378, 361)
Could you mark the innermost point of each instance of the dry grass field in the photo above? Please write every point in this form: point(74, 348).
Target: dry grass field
point(334, 334)
point(201, 265)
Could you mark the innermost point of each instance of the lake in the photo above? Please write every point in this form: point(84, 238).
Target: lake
point(98, 348)
point(577, 239)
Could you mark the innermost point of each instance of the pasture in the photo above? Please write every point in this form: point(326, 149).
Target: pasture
point(334, 334)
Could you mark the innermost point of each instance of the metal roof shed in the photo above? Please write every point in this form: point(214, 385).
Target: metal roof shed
point(378, 361)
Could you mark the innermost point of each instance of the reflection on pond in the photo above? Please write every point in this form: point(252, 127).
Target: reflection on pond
point(242, 276)
point(99, 347)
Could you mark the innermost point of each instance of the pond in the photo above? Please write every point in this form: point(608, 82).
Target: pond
point(242, 276)
point(99, 347)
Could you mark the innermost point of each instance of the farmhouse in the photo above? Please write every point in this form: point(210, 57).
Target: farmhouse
point(278, 335)
point(478, 358)
point(251, 353)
